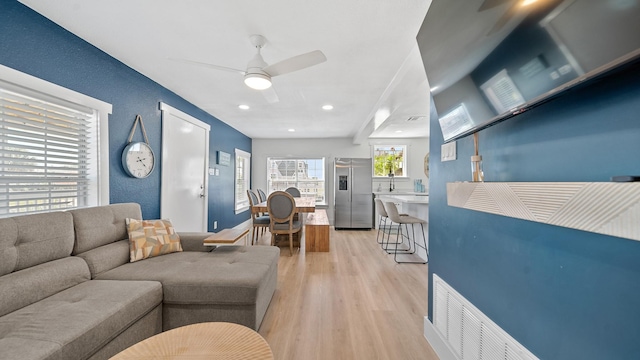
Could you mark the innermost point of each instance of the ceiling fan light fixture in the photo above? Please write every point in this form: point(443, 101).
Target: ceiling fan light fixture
point(257, 81)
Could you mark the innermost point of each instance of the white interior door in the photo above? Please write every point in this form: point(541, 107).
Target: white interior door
point(185, 159)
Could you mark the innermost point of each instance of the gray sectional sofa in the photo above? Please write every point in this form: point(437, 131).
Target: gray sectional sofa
point(68, 290)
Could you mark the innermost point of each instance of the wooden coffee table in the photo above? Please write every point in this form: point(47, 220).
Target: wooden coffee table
point(213, 340)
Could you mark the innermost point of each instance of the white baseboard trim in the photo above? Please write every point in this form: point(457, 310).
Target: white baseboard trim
point(437, 343)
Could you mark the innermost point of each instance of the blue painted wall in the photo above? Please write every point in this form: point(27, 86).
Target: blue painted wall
point(34, 45)
point(562, 293)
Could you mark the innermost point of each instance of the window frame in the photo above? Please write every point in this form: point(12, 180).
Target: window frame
point(297, 181)
point(99, 175)
point(241, 204)
point(405, 170)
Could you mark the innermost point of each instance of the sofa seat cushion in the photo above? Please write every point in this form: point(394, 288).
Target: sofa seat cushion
point(77, 322)
point(28, 286)
point(227, 275)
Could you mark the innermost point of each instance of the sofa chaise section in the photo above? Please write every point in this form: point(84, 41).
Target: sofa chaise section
point(233, 284)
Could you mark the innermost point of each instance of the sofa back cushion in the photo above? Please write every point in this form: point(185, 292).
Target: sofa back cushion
point(29, 240)
point(101, 235)
point(30, 285)
point(106, 257)
point(102, 225)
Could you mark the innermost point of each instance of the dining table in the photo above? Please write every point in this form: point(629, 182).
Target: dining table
point(303, 205)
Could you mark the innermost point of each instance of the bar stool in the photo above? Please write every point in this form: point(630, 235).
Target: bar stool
point(382, 220)
point(401, 219)
point(382, 223)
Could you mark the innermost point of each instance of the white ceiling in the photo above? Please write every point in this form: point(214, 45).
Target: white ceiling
point(373, 65)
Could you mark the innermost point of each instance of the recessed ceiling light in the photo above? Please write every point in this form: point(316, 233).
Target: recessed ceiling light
point(327, 107)
point(398, 131)
point(243, 107)
point(291, 130)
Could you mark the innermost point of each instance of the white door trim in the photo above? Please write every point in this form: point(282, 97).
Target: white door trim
point(168, 109)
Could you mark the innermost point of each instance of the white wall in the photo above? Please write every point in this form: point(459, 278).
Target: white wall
point(330, 149)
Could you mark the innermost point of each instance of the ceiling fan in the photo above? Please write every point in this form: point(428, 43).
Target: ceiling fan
point(258, 73)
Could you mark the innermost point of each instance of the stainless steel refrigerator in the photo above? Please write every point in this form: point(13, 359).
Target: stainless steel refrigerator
point(353, 201)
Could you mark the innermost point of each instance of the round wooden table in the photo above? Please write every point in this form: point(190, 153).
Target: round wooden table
point(213, 340)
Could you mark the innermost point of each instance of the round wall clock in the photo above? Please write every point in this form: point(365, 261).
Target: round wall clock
point(138, 159)
point(426, 165)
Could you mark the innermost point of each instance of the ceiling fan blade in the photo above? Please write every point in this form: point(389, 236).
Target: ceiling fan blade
point(296, 63)
point(217, 67)
point(489, 4)
point(270, 95)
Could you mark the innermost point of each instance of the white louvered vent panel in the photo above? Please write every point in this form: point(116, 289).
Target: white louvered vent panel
point(455, 324)
point(440, 308)
point(492, 347)
point(470, 336)
point(469, 333)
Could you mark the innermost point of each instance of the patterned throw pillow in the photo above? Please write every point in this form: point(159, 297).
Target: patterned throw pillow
point(148, 238)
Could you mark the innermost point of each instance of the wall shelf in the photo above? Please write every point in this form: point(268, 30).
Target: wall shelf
point(602, 207)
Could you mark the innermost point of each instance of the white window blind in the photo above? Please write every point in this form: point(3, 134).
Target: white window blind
point(243, 179)
point(45, 152)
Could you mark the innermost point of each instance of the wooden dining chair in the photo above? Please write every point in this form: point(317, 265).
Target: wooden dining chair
point(259, 220)
point(262, 195)
point(293, 191)
point(282, 208)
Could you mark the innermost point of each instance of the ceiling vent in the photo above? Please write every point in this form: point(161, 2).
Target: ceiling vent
point(415, 118)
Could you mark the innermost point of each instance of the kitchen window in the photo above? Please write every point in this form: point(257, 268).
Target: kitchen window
point(307, 174)
point(389, 159)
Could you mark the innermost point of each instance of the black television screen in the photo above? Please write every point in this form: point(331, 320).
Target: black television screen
point(489, 60)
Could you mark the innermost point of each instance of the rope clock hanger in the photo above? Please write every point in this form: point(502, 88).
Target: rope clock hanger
point(138, 159)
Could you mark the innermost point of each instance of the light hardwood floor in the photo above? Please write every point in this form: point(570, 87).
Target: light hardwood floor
point(353, 302)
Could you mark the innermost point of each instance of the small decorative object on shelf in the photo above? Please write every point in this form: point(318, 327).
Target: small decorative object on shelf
point(476, 168)
point(138, 159)
point(476, 162)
